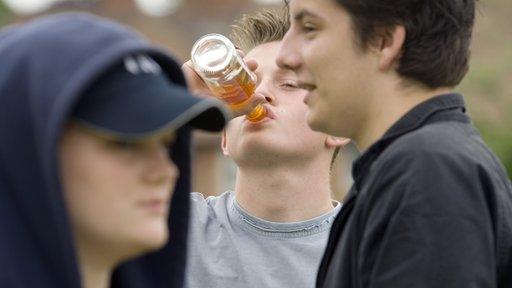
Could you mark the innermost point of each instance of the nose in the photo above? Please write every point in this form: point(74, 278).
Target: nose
point(161, 168)
point(264, 88)
point(288, 56)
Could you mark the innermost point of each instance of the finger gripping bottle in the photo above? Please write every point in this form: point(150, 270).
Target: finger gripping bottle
point(215, 59)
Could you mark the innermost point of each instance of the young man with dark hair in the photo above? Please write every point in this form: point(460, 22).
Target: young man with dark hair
point(270, 231)
point(431, 205)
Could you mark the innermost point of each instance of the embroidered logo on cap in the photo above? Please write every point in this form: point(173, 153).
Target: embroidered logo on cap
point(139, 64)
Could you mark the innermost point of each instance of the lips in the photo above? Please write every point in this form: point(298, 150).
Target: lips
point(154, 205)
point(269, 115)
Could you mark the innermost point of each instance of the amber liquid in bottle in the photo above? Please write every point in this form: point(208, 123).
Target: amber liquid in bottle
point(236, 92)
point(225, 73)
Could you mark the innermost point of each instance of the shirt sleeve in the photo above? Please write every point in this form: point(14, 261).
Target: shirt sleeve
point(431, 228)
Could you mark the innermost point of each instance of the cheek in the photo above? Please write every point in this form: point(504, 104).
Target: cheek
point(297, 124)
point(92, 172)
point(300, 111)
point(174, 174)
point(309, 56)
point(95, 189)
point(319, 52)
point(233, 131)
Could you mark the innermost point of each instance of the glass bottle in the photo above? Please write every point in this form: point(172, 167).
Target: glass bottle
point(215, 59)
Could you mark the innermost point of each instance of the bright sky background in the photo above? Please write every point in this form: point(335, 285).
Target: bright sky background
point(29, 6)
point(268, 2)
point(156, 8)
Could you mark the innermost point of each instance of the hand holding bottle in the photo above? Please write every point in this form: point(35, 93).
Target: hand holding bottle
point(216, 69)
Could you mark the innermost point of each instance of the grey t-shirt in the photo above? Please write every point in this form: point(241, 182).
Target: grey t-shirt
point(230, 248)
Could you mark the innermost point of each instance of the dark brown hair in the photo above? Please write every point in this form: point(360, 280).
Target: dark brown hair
point(438, 35)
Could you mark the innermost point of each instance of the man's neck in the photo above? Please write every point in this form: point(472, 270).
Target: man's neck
point(388, 107)
point(281, 193)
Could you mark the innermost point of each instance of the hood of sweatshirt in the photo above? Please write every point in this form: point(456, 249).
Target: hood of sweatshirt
point(46, 65)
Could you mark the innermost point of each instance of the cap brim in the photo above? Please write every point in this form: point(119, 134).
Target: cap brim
point(135, 114)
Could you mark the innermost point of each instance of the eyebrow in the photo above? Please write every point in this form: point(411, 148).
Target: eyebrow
point(304, 13)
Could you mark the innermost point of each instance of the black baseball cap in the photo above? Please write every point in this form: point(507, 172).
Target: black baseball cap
point(136, 98)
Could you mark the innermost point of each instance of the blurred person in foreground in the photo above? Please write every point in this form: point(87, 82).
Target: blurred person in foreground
point(270, 231)
point(95, 147)
point(431, 205)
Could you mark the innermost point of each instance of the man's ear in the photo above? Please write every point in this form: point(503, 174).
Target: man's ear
point(223, 144)
point(390, 44)
point(334, 142)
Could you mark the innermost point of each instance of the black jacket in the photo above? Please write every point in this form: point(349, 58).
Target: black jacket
point(431, 207)
point(45, 67)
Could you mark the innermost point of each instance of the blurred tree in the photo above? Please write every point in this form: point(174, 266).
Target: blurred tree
point(488, 85)
point(5, 14)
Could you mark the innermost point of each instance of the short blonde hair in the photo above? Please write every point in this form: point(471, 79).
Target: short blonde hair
point(259, 28)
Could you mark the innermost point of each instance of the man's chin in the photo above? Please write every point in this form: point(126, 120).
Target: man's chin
point(322, 123)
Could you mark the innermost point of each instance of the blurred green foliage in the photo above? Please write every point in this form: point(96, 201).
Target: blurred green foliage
point(500, 140)
point(5, 14)
point(488, 85)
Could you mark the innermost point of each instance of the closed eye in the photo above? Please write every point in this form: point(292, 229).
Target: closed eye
point(290, 84)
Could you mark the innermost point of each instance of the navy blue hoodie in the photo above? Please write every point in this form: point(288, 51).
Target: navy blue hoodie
point(45, 66)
